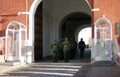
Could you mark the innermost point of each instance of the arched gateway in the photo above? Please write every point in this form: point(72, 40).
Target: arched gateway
point(31, 40)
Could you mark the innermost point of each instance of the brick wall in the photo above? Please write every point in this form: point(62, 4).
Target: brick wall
point(109, 8)
point(9, 10)
point(90, 2)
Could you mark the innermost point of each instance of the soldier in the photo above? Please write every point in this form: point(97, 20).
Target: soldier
point(54, 49)
point(73, 48)
point(81, 46)
point(60, 53)
point(66, 49)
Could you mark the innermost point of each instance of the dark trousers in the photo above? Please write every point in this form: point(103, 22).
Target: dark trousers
point(66, 56)
point(55, 59)
point(81, 53)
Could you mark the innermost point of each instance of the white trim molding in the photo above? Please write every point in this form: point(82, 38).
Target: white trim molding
point(95, 9)
point(19, 13)
point(88, 4)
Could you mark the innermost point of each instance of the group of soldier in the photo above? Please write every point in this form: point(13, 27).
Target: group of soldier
point(65, 49)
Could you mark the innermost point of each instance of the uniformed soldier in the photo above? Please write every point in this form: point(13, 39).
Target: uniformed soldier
point(60, 53)
point(54, 49)
point(66, 49)
point(73, 45)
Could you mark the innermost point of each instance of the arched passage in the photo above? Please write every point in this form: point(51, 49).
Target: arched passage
point(81, 28)
point(73, 23)
point(47, 28)
point(86, 35)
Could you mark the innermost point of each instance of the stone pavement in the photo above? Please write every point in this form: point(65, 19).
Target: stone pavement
point(104, 71)
point(50, 69)
point(7, 68)
point(43, 69)
point(74, 68)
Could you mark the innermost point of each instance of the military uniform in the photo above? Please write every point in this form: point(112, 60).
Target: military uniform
point(73, 45)
point(66, 49)
point(54, 49)
point(60, 53)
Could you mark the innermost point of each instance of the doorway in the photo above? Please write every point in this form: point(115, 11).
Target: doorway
point(38, 48)
point(52, 15)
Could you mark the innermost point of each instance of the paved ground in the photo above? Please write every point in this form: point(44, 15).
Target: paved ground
point(75, 68)
point(49, 70)
point(104, 71)
point(63, 70)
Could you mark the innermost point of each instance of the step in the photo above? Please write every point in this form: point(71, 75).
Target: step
point(10, 63)
point(103, 63)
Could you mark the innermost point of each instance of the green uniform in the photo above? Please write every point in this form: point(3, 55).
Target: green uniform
point(73, 47)
point(54, 49)
point(66, 49)
point(60, 53)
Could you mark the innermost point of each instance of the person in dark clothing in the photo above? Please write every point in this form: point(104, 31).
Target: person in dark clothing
point(81, 46)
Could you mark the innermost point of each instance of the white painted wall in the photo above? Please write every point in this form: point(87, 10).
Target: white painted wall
point(54, 11)
point(47, 22)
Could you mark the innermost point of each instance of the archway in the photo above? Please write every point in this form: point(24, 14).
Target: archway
point(72, 24)
point(31, 40)
point(86, 35)
point(81, 28)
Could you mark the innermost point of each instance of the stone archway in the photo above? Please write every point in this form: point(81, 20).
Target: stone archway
point(31, 25)
point(72, 23)
point(71, 26)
